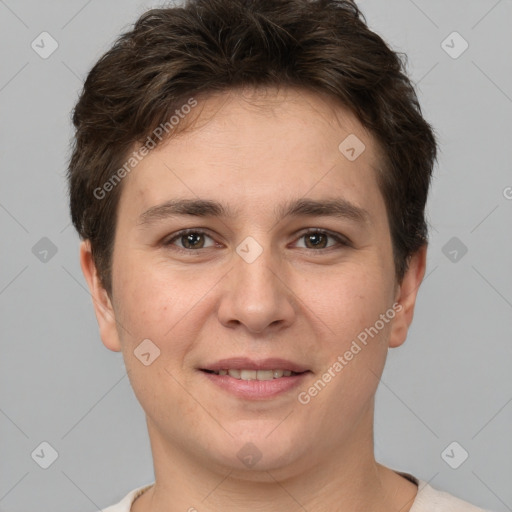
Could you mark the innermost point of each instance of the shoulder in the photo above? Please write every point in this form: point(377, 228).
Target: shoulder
point(429, 499)
point(126, 503)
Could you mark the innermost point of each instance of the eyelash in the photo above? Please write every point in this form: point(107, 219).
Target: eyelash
point(341, 240)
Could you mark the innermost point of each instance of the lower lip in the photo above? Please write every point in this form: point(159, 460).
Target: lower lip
point(256, 389)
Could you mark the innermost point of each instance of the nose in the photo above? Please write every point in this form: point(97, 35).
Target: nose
point(256, 294)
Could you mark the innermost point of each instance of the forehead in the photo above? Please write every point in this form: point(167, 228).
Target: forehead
point(252, 118)
point(252, 145)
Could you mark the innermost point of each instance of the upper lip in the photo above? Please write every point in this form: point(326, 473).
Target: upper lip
point(244, 363)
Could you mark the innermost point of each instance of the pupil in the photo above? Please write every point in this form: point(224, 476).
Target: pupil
point(315, 236)
point(192, 239)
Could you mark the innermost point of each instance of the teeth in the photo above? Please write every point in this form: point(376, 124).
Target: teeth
point(256, 374)
point(248, 374)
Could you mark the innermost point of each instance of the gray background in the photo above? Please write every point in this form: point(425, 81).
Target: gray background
point(450, 382)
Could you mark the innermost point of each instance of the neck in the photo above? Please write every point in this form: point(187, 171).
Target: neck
point(346, 478)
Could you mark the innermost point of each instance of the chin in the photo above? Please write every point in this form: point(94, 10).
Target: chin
point(266, 449)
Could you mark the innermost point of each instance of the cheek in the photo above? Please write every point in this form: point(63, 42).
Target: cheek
point(355, 346)
point(348, 301)
point(156, 302)
point(151, 305)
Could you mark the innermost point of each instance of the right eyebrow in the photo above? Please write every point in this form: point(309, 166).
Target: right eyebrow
point(176, 207)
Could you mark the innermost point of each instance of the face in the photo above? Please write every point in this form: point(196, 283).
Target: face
point(288, 256)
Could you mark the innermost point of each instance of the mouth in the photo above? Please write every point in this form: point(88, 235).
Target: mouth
point(250, 379)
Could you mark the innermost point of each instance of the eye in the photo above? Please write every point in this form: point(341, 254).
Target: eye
point(194, 239)
point(318, 239)
point(189, 239)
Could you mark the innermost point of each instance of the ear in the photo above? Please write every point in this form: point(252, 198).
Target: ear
point(101, 301)
point(406, 294)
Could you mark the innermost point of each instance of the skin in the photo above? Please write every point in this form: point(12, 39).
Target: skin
point(253, 151)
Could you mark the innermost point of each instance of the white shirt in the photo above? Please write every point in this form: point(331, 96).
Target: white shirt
point(428, 499)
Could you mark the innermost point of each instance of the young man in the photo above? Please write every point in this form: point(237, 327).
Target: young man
point(249, 180)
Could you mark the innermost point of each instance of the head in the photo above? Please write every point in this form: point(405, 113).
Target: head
point(251, 109)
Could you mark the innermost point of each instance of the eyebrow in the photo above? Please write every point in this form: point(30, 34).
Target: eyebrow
point(338, 208)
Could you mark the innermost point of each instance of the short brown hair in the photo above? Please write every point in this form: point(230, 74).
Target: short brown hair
point(207, 46)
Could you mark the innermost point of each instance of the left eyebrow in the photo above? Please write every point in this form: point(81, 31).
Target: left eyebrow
point(338, 208)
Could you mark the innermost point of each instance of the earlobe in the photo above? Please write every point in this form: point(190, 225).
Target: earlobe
point(406, 295)
point(103, 309)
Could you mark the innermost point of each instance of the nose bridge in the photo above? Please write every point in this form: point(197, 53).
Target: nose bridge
point(254, 270)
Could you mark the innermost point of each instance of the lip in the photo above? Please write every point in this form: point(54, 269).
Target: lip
point(244, 363)
point(256, 389)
